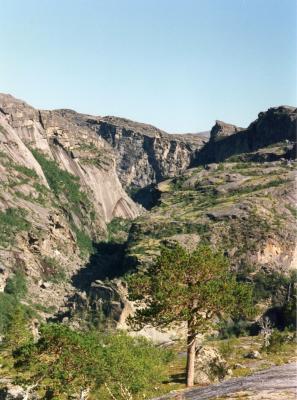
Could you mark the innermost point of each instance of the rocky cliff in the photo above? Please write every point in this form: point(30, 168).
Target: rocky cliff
point(59, 189)
point(270, 137)
point(62, 178)
point(145, 155)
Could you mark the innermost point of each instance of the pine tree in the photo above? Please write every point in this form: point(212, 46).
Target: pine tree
point(192, 288)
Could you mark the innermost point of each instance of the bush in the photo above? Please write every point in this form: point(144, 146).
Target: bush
point(16, 285)
point(52, 270)
point(8, 306)
point(276, 342)
point(84, 242)
point(234, 329)
point(65, 361)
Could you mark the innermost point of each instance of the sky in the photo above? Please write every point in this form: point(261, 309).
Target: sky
point(177, 64)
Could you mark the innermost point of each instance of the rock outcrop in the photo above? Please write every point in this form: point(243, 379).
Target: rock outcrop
point(222, 129)
point(210, 366)
point(269, 138)
point(59, 189)
point(145, 154)
point(246, 208)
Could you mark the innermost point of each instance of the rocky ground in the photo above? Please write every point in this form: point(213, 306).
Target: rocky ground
point(270, 384)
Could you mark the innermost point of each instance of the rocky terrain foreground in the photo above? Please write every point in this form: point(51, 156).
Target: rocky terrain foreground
point(276, 383)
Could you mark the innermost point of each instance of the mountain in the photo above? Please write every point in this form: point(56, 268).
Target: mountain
point(270, 137)
point(145, 154)
point(59, 189)
point(67, 221)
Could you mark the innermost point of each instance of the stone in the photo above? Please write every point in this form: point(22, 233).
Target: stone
point(210, 366)
point(254, 354)
point(12, 392)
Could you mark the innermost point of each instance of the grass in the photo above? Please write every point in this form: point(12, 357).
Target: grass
point(84, 242)
point(63, 184)
point(52, 270)
point(12, 221)
point(234, 351)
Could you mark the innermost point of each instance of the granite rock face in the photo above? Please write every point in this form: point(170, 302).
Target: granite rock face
point(145, 154)
point(222, 129)
point(270, 137)
point(59, 189)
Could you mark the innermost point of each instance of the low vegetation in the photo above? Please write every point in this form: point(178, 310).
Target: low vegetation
point(64, 362)
point(12, 221)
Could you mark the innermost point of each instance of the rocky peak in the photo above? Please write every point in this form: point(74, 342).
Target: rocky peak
point(222, 129)
point(270, 137)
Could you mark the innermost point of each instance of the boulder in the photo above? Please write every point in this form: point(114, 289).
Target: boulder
point(12, 392)
point(210, 366)
point(254, 354)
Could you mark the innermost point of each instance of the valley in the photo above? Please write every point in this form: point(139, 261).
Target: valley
point(86, 201)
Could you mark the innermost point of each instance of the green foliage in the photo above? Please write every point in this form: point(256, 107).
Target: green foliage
point(226, 347)
point(83, 241)
point(12, 221)
point(17, 332)
point(188, 287)
point(16, 285)
point(62, 183)
point(30, 173)
point(64, 361)
point(234, 328)
point(277, 341)
point(52, 270)
point(118, 230)
point(8, 304)
point(14, 291)
point(134, 363)
point(272, 285)
point(292, 209)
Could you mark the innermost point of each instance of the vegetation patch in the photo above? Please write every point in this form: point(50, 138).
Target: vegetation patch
point(12, 221)
point(52, 270)
point(63, 184)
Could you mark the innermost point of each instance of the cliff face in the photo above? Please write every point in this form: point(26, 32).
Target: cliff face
point(154, 154)
point(274, 132)
point(145, 154)
point(59, 188)
point(62, 178)
point(77, 149)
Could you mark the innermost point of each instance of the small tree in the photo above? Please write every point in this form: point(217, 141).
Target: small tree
point(187, 287)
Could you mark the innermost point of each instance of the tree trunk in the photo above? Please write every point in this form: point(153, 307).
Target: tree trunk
point(191, 353)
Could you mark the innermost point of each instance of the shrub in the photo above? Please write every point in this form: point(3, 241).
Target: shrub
point(276, 342)
point(65, 361)
point(30, 173)
point(234, 328)
point(52, 270)
point(83, 241)
point(118, 230)
point(16, 285)
point(8, 306)
point(12, 221)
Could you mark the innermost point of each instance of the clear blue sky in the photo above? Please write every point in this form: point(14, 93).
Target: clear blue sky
point(178, 64)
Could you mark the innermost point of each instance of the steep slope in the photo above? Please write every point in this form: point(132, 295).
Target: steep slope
point(248, 209)
point(245, 206)
point(77, 149)
point(274, 131)
point(145, 154)
point(59, 188)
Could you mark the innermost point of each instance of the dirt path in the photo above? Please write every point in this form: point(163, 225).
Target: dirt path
point(273, 383)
